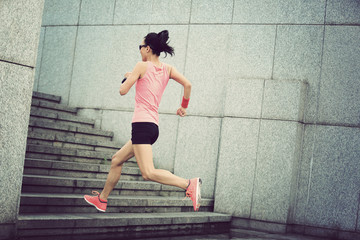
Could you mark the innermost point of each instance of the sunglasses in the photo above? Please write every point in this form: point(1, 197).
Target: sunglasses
point(141, 46)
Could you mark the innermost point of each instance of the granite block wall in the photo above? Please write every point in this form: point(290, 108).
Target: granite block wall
point(19, 40)
point(274, 109)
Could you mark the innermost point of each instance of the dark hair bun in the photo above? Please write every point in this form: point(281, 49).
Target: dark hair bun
point(158, 43)
point(163, 36)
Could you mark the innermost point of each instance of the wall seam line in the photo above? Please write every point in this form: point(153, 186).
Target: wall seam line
point(113, 19)
point(232, 15)
point(207, 24)
point(257, 151)
point(273, 63)
point(41, 59)
point(181, 93)
point(74, 53)
point(217, 160)
point(357, 214)
point(15, 63)
point(316, 118)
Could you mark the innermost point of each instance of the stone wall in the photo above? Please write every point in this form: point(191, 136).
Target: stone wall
point(19, 40)
point(273, 125)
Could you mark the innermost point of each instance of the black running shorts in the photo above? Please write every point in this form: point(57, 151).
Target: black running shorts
point(144, 133)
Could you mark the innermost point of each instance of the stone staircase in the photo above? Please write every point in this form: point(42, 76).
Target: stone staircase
point(67, 157)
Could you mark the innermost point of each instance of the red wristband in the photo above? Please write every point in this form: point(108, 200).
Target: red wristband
point(185, 102)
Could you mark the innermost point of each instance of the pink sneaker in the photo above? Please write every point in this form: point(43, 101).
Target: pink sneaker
point(193, 192)
point(96, 201)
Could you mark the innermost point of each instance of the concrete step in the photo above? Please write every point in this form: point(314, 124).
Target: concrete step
point(71, 185)
point(60, 117)
point(34, 125)
point(119, 225)
point(77, 170)
point(72, 155)
point(46, 97)
point(75, 203)
point(52, 106)
point(67, 141)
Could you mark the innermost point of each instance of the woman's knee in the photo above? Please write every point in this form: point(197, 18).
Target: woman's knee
point(116, 161)
point(148, 175)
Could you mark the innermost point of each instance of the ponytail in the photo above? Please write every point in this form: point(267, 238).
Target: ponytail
point(158, 43)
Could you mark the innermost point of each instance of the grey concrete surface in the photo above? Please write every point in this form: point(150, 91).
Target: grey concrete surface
point(97, 12)
point(61, 12)
point(237, 165)
point(250, 53)
point(305, 64)
point(19, 38)
point(196, 151)
point(339, 93)
point(280, 11)
point(19, 35)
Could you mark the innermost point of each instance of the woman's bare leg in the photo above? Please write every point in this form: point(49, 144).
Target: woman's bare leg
point(144, 158)
point(117, 161)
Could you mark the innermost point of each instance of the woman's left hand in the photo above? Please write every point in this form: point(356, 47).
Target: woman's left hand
point(181, 112)
point(127, 74)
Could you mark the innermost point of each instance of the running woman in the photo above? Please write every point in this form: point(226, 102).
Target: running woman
point(151, 77)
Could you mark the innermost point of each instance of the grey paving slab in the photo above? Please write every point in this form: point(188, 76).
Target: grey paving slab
point(133, 12)
point(42, 124)
point(97, 12)
point(57, 59)
point(52, 138)
point(279, 11)
point(118, 122)
point(342, 12)
point(219, 11)
point(298, 56)
point(69, 128)
point(65, 12)
point(207, 77)
point(277, 161)
point(64, 117)
point(258, 235)
point(54, 106)
point(45, 96)
point(250, 53)
point(300, 205)
point(255, 225)
point(197, 150)
point(138, 218)
point(39, 58)
point(20, 31)
point(16, 84)
point(339, 93)
point(244, 98)
point(284, 99)
point(334, 191)
point(179, 14)
point(236, 166)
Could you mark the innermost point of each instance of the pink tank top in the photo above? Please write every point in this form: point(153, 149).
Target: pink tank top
point(149, 90)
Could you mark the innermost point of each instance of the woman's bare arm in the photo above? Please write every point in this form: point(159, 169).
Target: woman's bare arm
point(139, 69)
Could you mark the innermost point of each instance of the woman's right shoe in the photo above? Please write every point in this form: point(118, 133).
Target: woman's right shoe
point(193, 191)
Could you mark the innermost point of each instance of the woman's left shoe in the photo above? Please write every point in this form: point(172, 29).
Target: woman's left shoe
point(96, 201)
